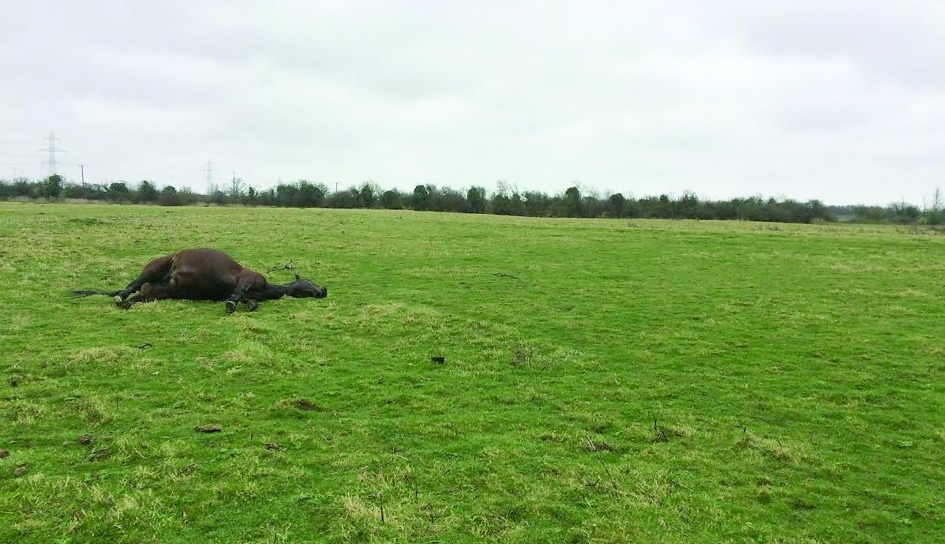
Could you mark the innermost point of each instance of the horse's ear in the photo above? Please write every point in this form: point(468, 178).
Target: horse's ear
point(297, 277)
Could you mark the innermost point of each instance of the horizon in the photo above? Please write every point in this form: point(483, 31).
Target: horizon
point(935, 197)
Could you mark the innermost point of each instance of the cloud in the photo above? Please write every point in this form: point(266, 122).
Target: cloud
point(836, 100)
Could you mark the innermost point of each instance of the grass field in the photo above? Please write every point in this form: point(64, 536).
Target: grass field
point(604, 381)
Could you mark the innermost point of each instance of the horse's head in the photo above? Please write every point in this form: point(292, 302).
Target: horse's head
point(302, 288)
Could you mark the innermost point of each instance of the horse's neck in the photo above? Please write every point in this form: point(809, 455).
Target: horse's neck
point(275, 291)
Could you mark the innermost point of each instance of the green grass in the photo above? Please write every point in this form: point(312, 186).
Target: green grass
point(604, 381)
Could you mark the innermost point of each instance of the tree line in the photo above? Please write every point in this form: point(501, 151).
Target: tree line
point(505, 200)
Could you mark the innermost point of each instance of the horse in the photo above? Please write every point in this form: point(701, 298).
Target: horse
point(205, 274)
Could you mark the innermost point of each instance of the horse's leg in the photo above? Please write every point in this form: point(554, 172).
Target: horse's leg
point(154, 272)
point(244, 283)
point(149, 293)
point(252, 304)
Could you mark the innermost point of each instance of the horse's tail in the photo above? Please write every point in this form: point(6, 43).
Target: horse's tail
point(90, 292)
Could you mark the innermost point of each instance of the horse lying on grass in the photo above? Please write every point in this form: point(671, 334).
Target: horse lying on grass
point(205, 274)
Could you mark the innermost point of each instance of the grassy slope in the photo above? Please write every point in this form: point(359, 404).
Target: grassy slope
point(604, 381)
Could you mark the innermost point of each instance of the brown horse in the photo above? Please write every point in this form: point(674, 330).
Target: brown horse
point(205, 274)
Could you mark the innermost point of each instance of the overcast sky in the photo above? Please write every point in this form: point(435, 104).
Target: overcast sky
point(842, 101)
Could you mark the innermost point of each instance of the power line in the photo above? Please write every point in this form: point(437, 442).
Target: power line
point(136, 171)
point(56, 164)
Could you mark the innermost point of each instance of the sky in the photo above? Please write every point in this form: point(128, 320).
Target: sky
point(837, 100)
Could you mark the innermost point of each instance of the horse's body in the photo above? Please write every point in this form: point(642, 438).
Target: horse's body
point(206, 274)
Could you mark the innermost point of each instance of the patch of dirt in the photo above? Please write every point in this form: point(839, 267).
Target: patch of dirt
point(98, 455)
point(303, 404)
point(599, 445)
point(209, 428)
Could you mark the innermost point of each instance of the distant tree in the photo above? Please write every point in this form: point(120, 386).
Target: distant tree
point(118, 191)
point(368, 195)
point(421, 197)
point(186, 196)
point(506, 200)
point(218, 197)
point(267, 197)
point(665, 208)
point(147, 192)
point(536, 204)
point(572, 202)
point(250, 196)
point(51, 187)
point(347, 198)
point(687, 207)
point(19, 187)
point(819, 211)
point(446, 199)
point(169, 197)
point(592, 205)
point(934, 213)
point(434, 198)
point(476, 199)
point(645, 207)
point(392, 200)
point(22, 187)
point(517, 204)
point(900, 214)
point(71, 190)
point(310, 195)
point(615, 205)
point(501, 202)
point(287, 195)
point(632, 208)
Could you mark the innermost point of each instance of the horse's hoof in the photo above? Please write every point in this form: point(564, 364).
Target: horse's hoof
point(230, 306)
point(119, 300)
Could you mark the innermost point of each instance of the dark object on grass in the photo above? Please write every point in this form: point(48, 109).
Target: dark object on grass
point(303, 404)
point(439, 359)
point(211, 428)
point(4, 454)
point(85, 440)
point(98, 455)
point(205, 274)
